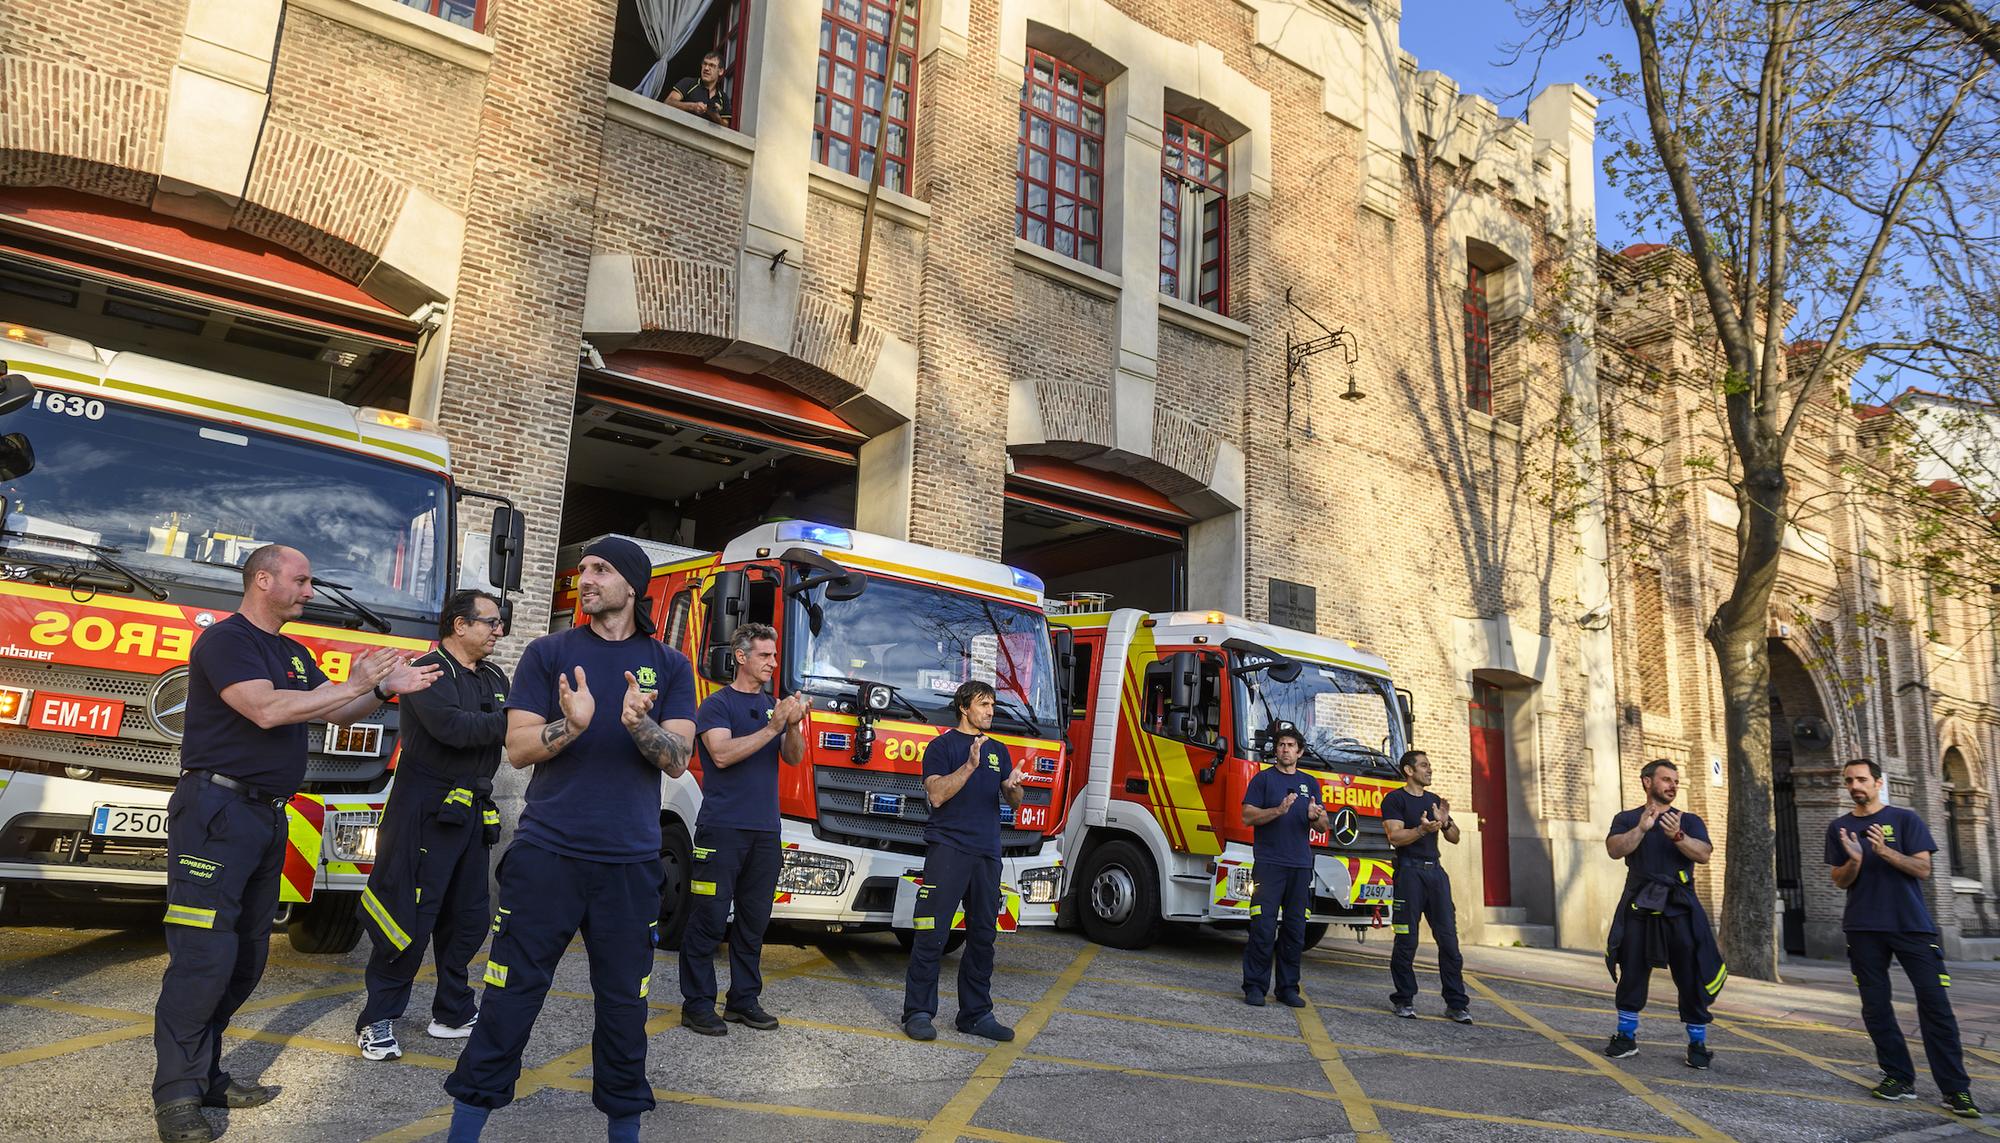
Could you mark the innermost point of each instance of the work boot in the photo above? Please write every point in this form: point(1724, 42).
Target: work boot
point(1254, 997)
point(238, 1094)
point(181, 1121)
point(987, 1027)
point(1291, 1000)
point(753, 1016)
point(703, 1021)
point(918, 1027)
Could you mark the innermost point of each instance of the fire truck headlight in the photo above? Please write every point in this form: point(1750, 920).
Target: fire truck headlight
point(813, 874)
point(350, 835)
point(1242, 883)
point(1042, 886)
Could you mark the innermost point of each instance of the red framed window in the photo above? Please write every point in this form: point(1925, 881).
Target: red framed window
point(1194, 215)
point(1059, 192)
point(1478, 359)
point(464, 13)
point(854, 65)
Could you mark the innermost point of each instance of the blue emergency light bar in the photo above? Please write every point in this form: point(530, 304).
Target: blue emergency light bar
point(805, 531)
point(1027, 580)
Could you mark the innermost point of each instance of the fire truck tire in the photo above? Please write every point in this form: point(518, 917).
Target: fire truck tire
point(953, 941)
point(329, 923)
point(1119, 896)
point(676, 859)
point(1315, 933)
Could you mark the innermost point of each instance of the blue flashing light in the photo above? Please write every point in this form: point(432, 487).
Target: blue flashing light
point(1027, 580)
point(805, 531)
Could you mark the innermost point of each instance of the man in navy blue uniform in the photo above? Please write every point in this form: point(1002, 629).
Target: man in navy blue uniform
point(251, 692)
point(1283, 808)
point(741, 733)
point(587, 853)
point(963, 782)
point(428, 886)
point(1659, 920)
point(1881, 855)
point(1413, 817)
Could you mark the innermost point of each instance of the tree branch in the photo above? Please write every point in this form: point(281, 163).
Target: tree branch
point(1977, 27)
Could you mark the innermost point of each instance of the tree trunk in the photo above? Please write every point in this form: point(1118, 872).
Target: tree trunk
point(1739, 636)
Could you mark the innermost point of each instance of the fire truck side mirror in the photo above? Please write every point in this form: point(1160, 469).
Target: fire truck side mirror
point(1405, 704)
point(1063, 639)
point(15, 393)
point(1183, 682)
point(509, 549)
point(17, 456)
point(725, 605)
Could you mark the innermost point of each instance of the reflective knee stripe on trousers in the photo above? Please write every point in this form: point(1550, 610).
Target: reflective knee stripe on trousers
point(923, 923)
point(645, 984)
point(380, 914)
point(1399, 930)
point(190, 916)
point(702, 888)
point(496, 974)
point(1715, 986)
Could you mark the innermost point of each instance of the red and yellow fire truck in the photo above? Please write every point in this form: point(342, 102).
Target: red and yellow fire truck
point(1174, 712)
point(131, 490)
point(877, 633)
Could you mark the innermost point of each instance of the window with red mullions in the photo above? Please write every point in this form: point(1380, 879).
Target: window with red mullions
point(1478, 365)
point(1194, 210)
point(464, 13)
point(854, 64)
point(1059, 194)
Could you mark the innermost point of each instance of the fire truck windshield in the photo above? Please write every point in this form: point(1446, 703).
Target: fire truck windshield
point(1345, 715)
point(183, 501)
point(925, 641)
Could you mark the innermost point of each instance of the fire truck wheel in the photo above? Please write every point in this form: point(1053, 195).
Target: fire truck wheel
point(676, 858)
point(1315, 933)
point(952, 942)
point(329, 923)
point(1119, 896)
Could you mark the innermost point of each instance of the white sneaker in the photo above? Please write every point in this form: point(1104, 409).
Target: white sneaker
point(439, 1031)
point(378, 1041)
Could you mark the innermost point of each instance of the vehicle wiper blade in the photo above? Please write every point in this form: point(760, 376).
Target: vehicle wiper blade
point(359, 608)
point(100, 554)
point(1020, 712)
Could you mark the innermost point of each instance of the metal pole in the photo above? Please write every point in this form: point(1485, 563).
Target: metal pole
point(890, 45)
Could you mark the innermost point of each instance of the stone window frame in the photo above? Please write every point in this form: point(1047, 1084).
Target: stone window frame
point(907, 17)
point(1025, 183)
point(1177, 182)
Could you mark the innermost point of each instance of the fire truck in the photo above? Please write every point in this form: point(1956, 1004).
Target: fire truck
point(1173, 714)
point(131, 490)
point(877, 633)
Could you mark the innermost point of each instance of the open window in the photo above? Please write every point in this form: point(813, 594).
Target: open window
point(1492, 308)
point(1199, 722)
point(1194, 203)
point(656, 46)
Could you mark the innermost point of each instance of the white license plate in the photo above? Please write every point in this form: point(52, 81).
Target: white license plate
point(1378, 892)
point(129, 821)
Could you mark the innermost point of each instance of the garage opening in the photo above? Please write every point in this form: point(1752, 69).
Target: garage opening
point(1098, 539)
point(672, 449)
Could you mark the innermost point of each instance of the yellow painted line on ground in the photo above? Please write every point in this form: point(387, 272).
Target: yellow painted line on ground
point(880, 1034)
point(1527, 1065)
point(51, 1004)
point(1237, 995)
point(434, 1122)
point(1514, 1121)
point(1181, 1025)
point(1360, 1112)
point(881, 983)
point(952, 1120)
point(1688, 1121)
point(1787, 1049)
point(335, 1047)
point(82, 1043)
point(291, 998)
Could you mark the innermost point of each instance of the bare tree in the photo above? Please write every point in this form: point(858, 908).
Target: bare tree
point(1828, 166)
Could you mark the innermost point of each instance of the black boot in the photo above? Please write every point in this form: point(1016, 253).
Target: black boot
point(240, 1095)
point(180, 1121)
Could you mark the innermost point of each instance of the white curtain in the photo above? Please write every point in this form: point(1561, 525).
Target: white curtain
point(668, 24)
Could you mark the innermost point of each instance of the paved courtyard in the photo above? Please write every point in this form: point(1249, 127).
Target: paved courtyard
point(1112, 1045)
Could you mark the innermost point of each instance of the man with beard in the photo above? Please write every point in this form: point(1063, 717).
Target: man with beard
point(1414, 818)
point(1659, 920)
point(1282, 807)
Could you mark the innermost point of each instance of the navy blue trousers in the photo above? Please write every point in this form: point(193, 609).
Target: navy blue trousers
point(1635, 970)
point(1869, 954)
point(736, 867)
point(225, 860)
point(1279, 910)
point(1423, 893)
point(952, 878)
point(545, 899)
point(453, 925)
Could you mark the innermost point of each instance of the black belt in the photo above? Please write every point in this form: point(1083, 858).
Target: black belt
point(249, 793)
point(1402, 861)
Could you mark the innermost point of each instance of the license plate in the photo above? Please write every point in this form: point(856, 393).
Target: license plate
point(129, 821)
point(75, 714)
point(890, 804)
point(1378, 892)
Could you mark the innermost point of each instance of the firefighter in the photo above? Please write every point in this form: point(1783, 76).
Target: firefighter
point(251, 692)
point(963, 783)
point(742, 732)
point(438, 830)
point(1879, 854)
point(1659, 920)
point(1283, 808)
point(599, 711)
point(1414, 818)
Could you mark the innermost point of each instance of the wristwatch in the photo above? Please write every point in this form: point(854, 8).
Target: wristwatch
point(380, 693)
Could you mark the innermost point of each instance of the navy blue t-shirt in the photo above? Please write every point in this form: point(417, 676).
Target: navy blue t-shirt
point(224, 742)
point(745, 795)
point(1283, 841)
point(1402, 806)
point(1883, 899)
point(970, 821)
point(600, 798)
point(1657, 854)
point(690, 90)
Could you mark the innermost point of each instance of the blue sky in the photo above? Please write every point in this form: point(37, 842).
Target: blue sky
point(1467, 40)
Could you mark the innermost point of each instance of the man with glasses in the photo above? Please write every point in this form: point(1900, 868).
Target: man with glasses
point(437, 835)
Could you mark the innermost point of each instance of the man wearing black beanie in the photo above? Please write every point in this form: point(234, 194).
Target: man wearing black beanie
point(599, 711)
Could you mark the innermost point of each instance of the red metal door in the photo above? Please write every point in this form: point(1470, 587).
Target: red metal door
point(1489, 791)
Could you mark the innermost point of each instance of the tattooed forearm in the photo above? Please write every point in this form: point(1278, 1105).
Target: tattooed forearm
point(556, 735)
point(662, 747)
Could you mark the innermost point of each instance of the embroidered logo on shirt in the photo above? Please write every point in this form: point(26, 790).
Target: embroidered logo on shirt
point(648, 677)
point(1888, 831)
point(993, 761)
point(199, 868)
point(298, 665)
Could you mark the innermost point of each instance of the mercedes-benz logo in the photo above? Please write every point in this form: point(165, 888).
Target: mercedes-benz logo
point(1346, 827)
point(167, 705)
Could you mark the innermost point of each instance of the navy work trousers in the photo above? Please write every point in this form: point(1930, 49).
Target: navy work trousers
point(545, 899)
point(1868, 954)
point(1279, 910)
point(732, 867)
point(1635, 969)
point(453, 925)
point(953, 877)
point(1423, 893)
point(225, 859)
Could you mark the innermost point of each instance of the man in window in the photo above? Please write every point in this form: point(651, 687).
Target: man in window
point(704, 96)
